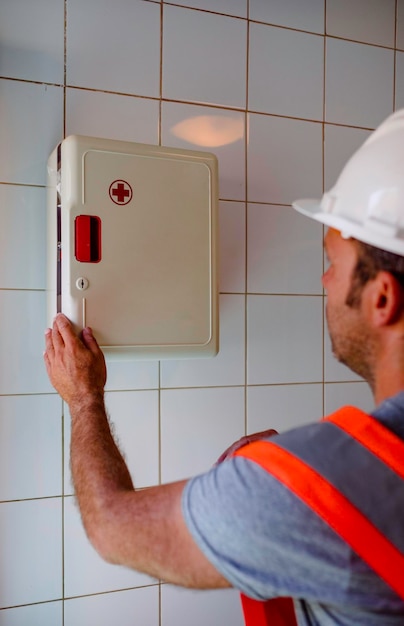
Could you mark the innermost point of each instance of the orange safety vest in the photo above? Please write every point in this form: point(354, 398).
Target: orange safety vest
point(382, 550)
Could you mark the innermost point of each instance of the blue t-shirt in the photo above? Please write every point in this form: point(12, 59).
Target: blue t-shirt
point(268, 543)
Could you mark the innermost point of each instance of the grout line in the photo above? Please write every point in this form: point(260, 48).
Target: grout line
point(161, 75)
point(246, 127)
point(395, 56)
point(63, 407)
point(323, 323)
point(196, 103)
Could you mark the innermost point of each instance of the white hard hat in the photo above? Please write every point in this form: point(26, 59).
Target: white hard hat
point(367, 201)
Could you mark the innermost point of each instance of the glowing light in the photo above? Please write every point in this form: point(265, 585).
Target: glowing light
point(210, 131)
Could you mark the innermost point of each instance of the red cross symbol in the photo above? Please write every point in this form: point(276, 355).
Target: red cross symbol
point(120, 192)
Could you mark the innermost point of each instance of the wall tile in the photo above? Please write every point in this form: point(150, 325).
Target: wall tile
point(33, 615)
point(114, 79)
point(227, 368)
point(84, 571)
point(136, 428)
point(285, 251)
point(22, 237)
point(308, 15)
point(399, 103)
point(284, 159)
point(130, 375)
point(281, 332)
point(31, 551)
point(23, 316)
point(197, 425)
point(214, 130)
point(340, 143)
point(34, 115)
point(30, 447)
point(114, 47)
point(112, 116)
point(31, 43)
point(353, 394)
point(136, 420)
point(126, 608)
point(400, 25)
point(283, 406)
point(352, 71)
point(232, 247)
point(293, 65)
point(181, 607)
point(213, 68)
point(370, 21)
point(227, 7)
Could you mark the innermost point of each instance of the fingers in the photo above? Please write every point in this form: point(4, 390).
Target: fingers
point(90, 341)
point(48, 341)
point(62, 330)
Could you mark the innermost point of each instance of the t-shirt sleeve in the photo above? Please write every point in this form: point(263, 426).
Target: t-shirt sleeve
point(261, 537)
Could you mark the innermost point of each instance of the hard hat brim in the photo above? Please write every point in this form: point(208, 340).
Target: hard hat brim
point(308, 206)
point(311, 207)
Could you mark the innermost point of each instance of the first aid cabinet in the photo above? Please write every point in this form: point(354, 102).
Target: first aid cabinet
point(132, 246)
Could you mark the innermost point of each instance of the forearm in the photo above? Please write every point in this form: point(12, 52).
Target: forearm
point(142, 529)
point(98, 469)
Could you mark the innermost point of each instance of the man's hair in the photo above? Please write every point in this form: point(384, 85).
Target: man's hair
point(370, 261)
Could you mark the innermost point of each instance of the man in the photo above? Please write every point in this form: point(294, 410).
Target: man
point(315, 514)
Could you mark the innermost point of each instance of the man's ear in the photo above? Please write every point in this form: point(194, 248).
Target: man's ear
point(386, 299)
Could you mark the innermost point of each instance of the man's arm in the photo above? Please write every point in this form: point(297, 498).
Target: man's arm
point(145, 529)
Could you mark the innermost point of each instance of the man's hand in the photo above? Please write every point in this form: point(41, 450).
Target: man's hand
point(76, 367)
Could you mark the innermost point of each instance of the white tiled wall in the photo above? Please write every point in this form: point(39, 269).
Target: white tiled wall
point(282, 91)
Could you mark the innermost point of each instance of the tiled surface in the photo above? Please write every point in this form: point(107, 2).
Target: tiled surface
point(132, 375)
point(354, 394)
point(34, 115)
point(31, 40)
point(31, 551)
point(114, 47)
point(213, 70)
point(399, 104)
point(30, 447)
point(118, 117)
point(227, 7)
point(84, 571)
point(285, 251)
point(232, 247)
point(369, 21)
point(352, 70)
point(340, 143)
point(222, 133)
point(227, 368)
point(34, 615)
point(278, 342)
point(181, 607)
point(308, 15)
point(188, 419)
point(23, 317)
point(278, 147)
point(126, 608)
point(174, 419)
point(293, 65)
point(283, 406)
point(400, 24)
point(22, 234)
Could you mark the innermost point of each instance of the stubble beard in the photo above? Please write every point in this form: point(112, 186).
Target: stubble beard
point(351, 342)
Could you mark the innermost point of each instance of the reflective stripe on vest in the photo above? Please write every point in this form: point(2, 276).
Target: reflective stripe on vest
point(364, 518)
